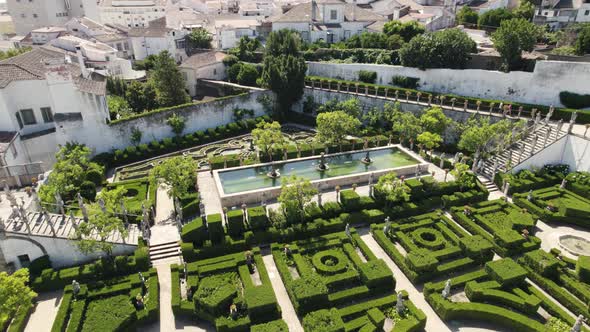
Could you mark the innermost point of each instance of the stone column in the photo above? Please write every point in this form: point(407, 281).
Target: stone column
point(429, 100)
point(559, 125)
point(547, 135)
point(47, 218)
point(534, 143)
point(396, 95)
point(521, 154)
point(519, 111)
point(474, 166)
point(366, 90)
point(465, 103)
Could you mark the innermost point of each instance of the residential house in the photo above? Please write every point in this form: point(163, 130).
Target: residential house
point(131, 13)
point(205, 65)
point(328, 20)
point(559, 13)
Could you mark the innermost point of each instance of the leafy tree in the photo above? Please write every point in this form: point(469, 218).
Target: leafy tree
point(246, 48)
point(296, 193)
point(267, 135)
point(146, 64)
point(136, 136)
point(448, 48)
point(179, 173)
point(394, 42)
point(177, 123)
point(351, 106)
point(284, 68)
point(430, 140)
point(373, 40)
point(116, 86)
point(199, 38)
point(167, 81)
point(93, 235)
point(332, 127)
point(69, 172)
point(463, 176)
point(481, 137)
point(233, 71)
point(512, 38)
point(247, 75)
point(492, 18)
point(141, 96)
point(113, 197)
point(14, 52)
point(14, 293)
point(467, 16)
point(434, 120)
point(118, 106)
point(392, 189)
point(406, 125)
point(406, 30)
point(525, 10)
point(582, 43)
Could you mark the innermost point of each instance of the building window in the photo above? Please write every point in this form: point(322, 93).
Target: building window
point(587, 12)
point(333, 14)
point(28, 116)
point(19, 120)
point(24, 260)
point(47, 114)
point(35, 15)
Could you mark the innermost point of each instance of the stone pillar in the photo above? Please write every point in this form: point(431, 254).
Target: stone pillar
point(547, 135)
point(366, 90)
point(559, 125)
point(386, 90)
point(47, 218)
point(338, 87)
point(396, 95)
point(519, 111)
point(549, 114)
point(474, 166)
point(491, 108)
point(429, 100)
point(571, 126)
point(506, 188)
point(465, 103)
point(521, 154)
point(533, 145)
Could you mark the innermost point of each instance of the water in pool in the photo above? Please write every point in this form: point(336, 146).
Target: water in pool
point(255, 177)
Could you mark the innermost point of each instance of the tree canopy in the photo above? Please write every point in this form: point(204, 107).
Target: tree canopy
point(246, 48)
point(332, 127)
point(512, 38)
point(392, 189)
point(434, 120)
point(296, 193)
point(463, 176)
point(284, 68)
point(582, 43)
point(199, 38)
point(406, 125)
point(448, 48)
point(492, 18)
point(92, 235)
point(407, 30)
point(430, 140)
point(351, 106)
point(167, 81)
point(467, 16)
point(179, 173)
point(14, 293)
point(267, 135)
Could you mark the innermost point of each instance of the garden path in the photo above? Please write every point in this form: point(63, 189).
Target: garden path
point(433, 323)
point(164, 229)
point(44, 313)
point(288, 312)
point(208, 193)
point(549, 234)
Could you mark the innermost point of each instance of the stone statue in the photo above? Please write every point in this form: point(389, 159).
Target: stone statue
point(559, 125)
point(60, 204)
point(563, 183)
point(9, 194)
point(366, 144)
point(347, 229)
point(367, 158)
point(322, 165)
point(75, 288)
point(399, 305)
point(102, 205)
point(529, 196)
point(574, 116)
point(442, 161)
point(506, 188)
point(370, 179)
point(578, 324)
point(549, 114)
point(82, 207)
point(387, 225)
point(447, 290)
point(319, 199)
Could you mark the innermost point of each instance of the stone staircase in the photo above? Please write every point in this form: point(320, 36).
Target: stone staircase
point(163, 251)
point(533, 143)
point(489, 184)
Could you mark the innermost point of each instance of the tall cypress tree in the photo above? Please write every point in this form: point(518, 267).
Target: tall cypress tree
point(167, 81)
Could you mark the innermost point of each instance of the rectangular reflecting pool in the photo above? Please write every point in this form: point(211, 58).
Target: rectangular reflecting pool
point(251, 178)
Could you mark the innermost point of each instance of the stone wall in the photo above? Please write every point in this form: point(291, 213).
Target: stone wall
point(542, 86)
point(102, 137)
point(571, 150)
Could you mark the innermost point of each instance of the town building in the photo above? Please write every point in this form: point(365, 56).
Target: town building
point(205, 65)
point(131, 13)
point(557, 13)
point(28, 15)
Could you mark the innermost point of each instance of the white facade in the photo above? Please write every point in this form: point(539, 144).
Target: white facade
point(131, 13)
point(230, 31)
point(207, 65)
point(28, 15)
point(42, 36)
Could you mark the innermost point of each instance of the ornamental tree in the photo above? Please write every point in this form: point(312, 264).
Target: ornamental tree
point(434, 120)
point(392, 189)
point(430, 140)
point(268, 135)
point(332, 127)
point(179, 173)
point(467, 16)
point(406, 125)
point(177, 123)
point(514, 37)
point(582, 44)
point(284, 68)
point(448, 48)
point(463, 176)
point(199, 38)
point(296, 193)
point(93, 235)
point(14, 293)
point(493, 18)
point(406, 30)
point(351, 106)
point(167, 81)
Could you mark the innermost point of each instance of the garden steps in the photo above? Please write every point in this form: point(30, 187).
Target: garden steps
point(164, 250)
point(490, 185)
point(513, 154)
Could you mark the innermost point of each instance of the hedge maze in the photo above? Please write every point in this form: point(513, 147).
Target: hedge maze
point(556, 205)
point(506, 226)
point(431, 245)
point(232, 291)
point(119, 304)
point(337, 284)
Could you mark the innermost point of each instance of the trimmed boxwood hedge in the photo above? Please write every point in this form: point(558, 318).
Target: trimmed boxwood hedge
point(506, 272)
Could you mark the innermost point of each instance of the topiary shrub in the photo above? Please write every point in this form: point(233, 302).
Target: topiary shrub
point(215, 227)
point(194, 231)
point(310, 292)
point(367, 76)
point(421, 260)
point(257, 218)
point(274, 326)
point(323, 321)
point(215, 294)
point(39, 264)
point(506, 272)
point(142, 258)
point(350, 200)
point(262, 303)
point(375, 274)
point(94, 176)
point(574, 100)
point(477, 247)
point(235, 223)
point(88, 190)
point(583, 268)
point(542, 262)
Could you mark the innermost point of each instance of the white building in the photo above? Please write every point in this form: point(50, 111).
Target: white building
point(229, 30)
point(559, 13)
point(131, 13)
point(42, 36)
point(28, 15)
point(206, 65)
point(89, 29)
point(328, 20)
point(39, 91)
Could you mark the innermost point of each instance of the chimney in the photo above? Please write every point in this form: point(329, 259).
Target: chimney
point(81, 63)
point(313, 7)
point(353, 10)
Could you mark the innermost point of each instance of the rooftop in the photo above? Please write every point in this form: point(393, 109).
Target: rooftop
point(49, 30)
point(203, 59)
point(303, 13)
point(5, 138)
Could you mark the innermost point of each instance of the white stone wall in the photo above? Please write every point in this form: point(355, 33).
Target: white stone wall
point(571, 150)
point(539, 87)
point(102, 137)
point(62, 252)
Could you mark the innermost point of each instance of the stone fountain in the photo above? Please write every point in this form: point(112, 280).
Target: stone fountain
point(274, 173)
point(322, 166)
point(367, 159)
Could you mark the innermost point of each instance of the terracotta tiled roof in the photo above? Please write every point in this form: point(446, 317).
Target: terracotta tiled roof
point(203, 59)
point(31, 66)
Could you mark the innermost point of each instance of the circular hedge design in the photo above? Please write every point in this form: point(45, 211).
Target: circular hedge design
point(429, 238)
point(131, 192)
point(330, 262)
